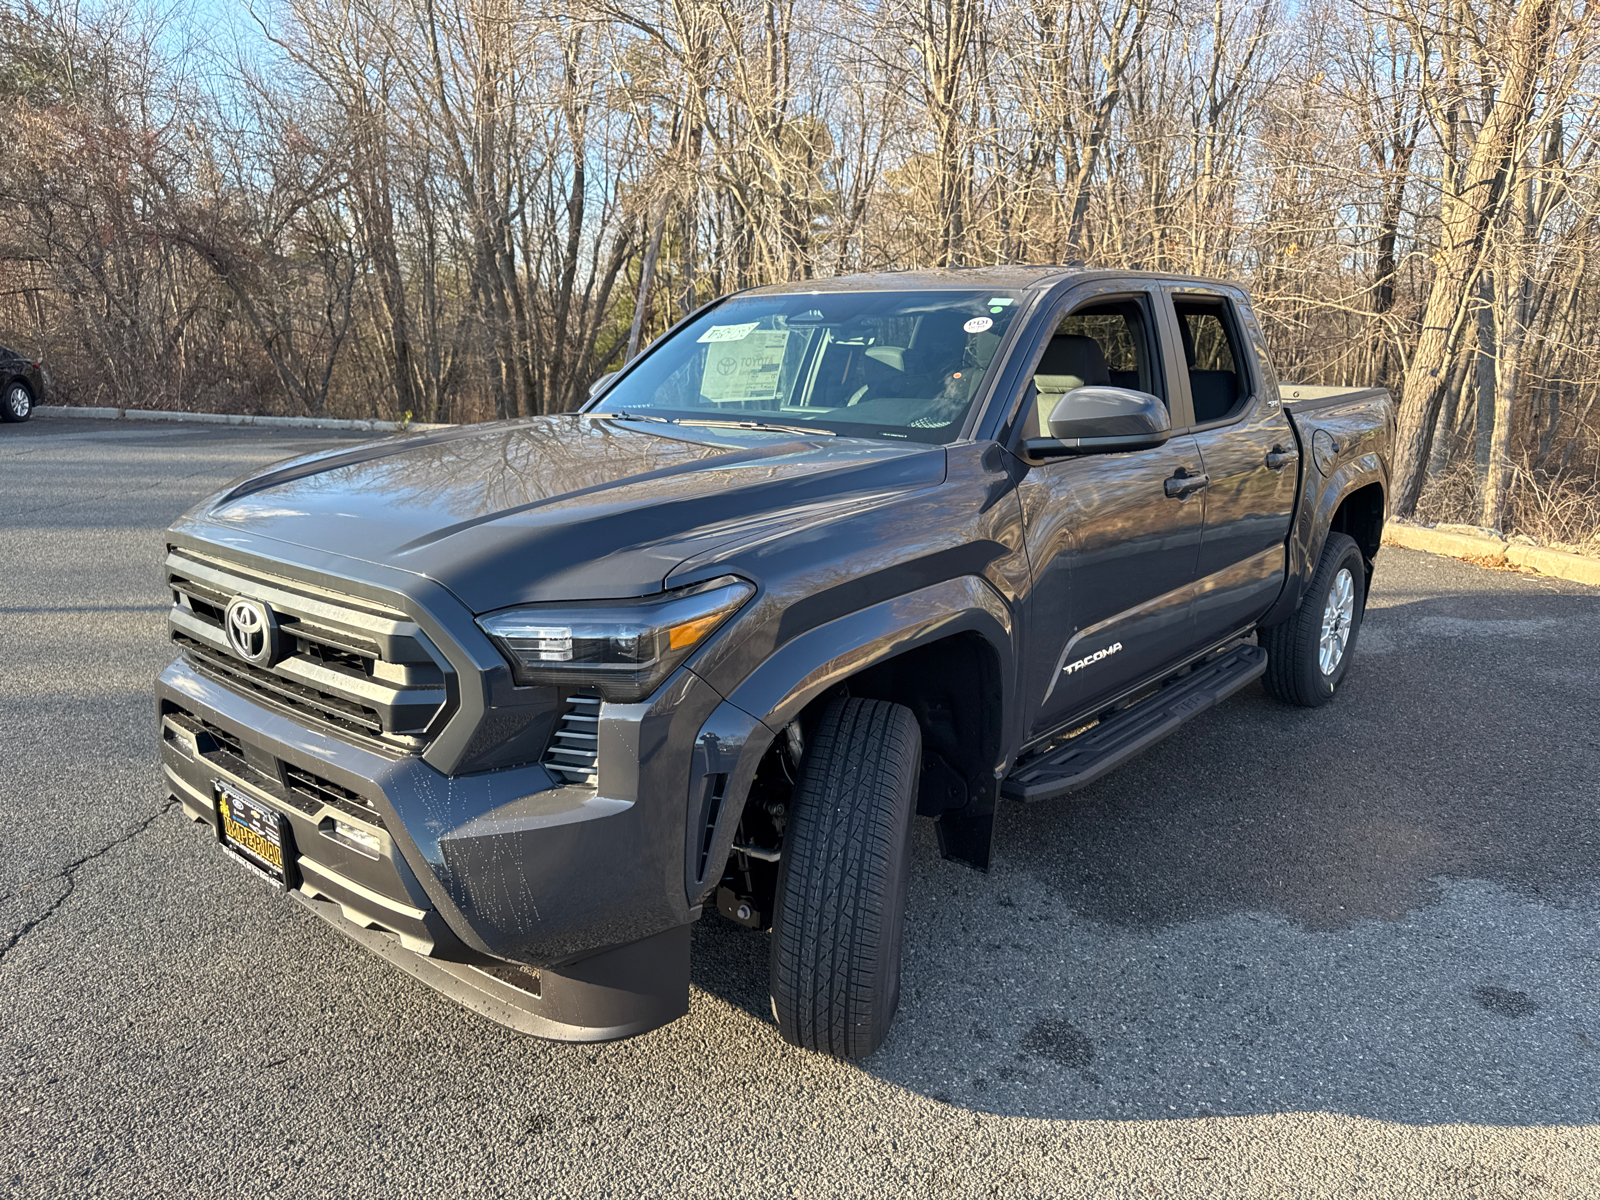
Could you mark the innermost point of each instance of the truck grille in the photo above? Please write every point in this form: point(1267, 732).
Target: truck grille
point(295, 786)
point(324, 791)
point(574, 752)
point(347, 664)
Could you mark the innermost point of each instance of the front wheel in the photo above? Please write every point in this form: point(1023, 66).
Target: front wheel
point(1308, 655)
point(17, 403)
point(841, 896)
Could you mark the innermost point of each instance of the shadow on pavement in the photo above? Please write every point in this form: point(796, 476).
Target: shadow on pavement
point(1385, 907)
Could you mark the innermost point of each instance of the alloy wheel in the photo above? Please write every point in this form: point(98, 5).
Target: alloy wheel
point(1336, 616)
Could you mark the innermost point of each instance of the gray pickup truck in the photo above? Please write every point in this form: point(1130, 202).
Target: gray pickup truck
point(514, 704)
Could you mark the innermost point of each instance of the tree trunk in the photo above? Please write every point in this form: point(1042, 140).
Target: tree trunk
point(1466, 219)
point(1487, 354)
point(1516, 300)
point(1443, 436)
point(647, 274)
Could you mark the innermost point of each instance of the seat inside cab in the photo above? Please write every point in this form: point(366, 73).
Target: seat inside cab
point(1070, 361)
point(941, 366)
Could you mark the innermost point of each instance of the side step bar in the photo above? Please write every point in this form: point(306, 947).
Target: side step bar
point(1120, 736)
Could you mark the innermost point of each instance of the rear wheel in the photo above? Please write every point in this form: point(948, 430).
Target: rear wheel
point(1308, 655)
point(17, 403)
point(841, 897)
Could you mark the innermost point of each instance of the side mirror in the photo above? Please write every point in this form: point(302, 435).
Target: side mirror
point(1090, 420)
point(601, 384)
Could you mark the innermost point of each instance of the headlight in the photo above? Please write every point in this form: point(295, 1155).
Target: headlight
point(624, 647)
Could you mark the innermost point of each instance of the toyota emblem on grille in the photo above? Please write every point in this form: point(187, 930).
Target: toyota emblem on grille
point(252, 631)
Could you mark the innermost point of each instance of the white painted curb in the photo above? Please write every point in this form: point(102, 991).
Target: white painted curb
point(1494, 552)
point(144, 414)
point(1577, 567)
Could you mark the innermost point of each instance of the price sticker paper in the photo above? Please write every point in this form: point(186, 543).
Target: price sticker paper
point(750, 368)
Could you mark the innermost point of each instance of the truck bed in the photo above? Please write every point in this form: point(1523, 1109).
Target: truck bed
point(1307, 397)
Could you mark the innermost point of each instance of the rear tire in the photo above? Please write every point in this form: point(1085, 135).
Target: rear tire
point(17, 402)
point(841, 895)
point(1309, 654)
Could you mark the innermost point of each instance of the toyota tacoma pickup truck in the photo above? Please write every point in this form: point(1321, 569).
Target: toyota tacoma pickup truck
point(514, 704)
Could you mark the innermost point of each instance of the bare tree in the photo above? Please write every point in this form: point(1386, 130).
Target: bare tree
point(462, 209)
point(1470, 207)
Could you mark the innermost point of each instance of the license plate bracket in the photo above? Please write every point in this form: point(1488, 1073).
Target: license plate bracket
point(254, 834)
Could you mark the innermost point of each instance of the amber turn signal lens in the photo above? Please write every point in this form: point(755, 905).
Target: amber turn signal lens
point(690, 632)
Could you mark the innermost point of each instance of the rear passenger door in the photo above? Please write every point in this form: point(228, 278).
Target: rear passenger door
point(1249, 453)
point(1114, 553)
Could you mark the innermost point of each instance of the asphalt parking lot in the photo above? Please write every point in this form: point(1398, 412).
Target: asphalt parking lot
point(1351, 952)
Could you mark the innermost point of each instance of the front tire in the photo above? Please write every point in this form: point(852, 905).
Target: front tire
point(841, 896)
point(17, 403)
point(1309, 654)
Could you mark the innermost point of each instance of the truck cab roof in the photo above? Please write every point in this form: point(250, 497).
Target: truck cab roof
point(1031, 276)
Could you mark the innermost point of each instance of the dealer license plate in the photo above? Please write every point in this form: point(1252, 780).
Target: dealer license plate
point(253, 832)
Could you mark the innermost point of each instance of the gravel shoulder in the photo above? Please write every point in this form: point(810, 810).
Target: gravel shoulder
point(1341, 953)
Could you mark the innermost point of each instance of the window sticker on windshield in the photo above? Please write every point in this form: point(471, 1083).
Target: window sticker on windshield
point(1000, 301)
point(750, 368)
point(727, 333)
point(978, 324)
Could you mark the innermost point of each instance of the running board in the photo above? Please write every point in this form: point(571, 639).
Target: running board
point(1120, 736)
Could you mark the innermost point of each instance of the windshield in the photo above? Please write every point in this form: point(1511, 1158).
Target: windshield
point(902, 365)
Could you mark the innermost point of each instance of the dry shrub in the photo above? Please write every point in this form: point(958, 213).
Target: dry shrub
point(1451, 496)
point(1553, 510)
point(1557, 511)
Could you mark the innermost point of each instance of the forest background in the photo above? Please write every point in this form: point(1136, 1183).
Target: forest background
point(459, 210)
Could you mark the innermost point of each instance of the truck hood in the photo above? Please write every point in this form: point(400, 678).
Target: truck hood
point(567, 507)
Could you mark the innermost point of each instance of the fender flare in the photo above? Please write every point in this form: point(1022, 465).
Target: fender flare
point(805, 666)
point(1315, 521)
point(735, 737)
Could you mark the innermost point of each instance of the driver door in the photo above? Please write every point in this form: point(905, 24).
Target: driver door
point(1115, 556)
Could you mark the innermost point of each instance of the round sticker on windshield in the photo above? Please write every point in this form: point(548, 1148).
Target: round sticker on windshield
point(978, 324)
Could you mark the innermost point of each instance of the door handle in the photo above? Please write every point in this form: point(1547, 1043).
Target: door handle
point(1278, 457)
point(1183, 485)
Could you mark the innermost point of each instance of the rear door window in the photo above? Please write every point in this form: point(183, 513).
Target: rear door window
point(1218, 383)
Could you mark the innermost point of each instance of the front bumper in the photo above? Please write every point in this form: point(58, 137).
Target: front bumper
point(559, 910)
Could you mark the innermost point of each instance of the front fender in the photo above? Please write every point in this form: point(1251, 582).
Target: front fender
point(806, 666)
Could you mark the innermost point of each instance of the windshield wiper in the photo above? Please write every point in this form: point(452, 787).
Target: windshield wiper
point(808, 430)
point(629, 416)
point(623, 414)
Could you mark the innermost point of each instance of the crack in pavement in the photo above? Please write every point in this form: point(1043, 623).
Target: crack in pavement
point(69, 873)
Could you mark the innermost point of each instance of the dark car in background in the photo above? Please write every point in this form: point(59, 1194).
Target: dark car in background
point(21, 385)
